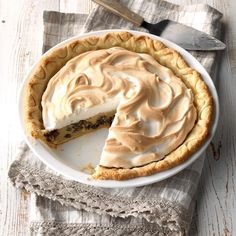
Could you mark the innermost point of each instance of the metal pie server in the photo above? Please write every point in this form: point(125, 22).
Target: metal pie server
point(185, 36)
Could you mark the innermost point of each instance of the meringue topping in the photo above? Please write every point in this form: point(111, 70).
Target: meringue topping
point(154, 110)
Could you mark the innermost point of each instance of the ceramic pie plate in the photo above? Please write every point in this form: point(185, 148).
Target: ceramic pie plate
point(70, 159)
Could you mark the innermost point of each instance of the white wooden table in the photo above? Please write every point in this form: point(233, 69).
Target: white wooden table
point(20, 46)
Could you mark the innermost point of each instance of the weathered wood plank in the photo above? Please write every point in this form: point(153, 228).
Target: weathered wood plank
point(216, 203)
point(21, 42)
point(80, 6)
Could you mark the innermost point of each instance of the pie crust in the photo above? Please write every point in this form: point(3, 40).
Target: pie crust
point(53, 61)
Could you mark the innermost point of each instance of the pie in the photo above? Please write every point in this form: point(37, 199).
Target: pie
point(158, 109)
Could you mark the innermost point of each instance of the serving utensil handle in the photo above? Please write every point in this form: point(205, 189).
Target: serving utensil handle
point(120, 10)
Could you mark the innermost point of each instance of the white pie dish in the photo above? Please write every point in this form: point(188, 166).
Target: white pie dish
point(71, 157)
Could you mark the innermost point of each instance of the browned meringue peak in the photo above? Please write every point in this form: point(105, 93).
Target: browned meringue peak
point(154, 108)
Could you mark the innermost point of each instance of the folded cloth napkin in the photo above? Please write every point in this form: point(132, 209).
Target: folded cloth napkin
point(64, 207)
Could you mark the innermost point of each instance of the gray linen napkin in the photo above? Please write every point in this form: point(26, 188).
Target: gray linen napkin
point(163, 208)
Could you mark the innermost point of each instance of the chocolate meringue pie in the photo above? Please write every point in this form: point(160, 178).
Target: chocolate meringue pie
point(157, 108)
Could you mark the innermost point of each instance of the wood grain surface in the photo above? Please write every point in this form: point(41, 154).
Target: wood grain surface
point(120, 10)
point(20, 46)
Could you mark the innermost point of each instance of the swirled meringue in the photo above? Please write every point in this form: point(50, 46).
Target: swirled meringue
point(154, 110)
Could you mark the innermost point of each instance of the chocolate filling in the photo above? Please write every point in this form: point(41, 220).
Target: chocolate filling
point(76, 127)
point(51, 136)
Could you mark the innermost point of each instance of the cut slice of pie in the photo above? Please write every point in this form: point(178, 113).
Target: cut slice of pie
point(158, 110)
